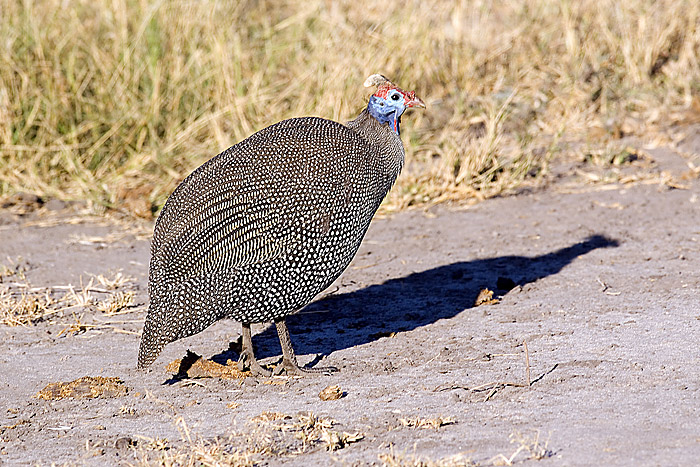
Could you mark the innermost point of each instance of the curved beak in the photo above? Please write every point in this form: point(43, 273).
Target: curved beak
point(415, 101)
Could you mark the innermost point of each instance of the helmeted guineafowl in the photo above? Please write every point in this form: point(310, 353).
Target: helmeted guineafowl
point(259, 230)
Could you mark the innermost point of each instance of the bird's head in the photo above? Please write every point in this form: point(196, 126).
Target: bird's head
point(389, 102)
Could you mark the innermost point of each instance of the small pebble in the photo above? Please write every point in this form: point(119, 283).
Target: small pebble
point(124, 443)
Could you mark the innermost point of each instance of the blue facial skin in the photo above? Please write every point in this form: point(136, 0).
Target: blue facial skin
point(388, 110)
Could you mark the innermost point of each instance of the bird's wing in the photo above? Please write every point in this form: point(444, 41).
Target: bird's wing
point(257, 200)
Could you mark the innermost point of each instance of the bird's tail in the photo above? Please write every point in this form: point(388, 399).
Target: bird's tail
point(152, 341)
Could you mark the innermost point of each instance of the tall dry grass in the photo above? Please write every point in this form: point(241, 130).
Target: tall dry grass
point(118, 100)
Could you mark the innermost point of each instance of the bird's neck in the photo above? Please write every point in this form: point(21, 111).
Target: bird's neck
point(384, 139)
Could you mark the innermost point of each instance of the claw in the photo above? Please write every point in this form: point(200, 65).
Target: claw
point(289, 363)
point(290, 368)
point(247, 361)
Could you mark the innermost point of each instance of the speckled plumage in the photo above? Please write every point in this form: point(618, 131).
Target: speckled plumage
point(260, 229)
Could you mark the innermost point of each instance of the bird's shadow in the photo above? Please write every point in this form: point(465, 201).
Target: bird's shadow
point(346, 320)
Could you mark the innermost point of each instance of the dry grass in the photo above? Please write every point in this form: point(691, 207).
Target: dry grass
point(116, 101)
point(529, 448)
point(279, 434)
point(269, 435)
point(193, 450)
point(529, 444)
point(399, 459)
point(22, 305)
point(434, 423)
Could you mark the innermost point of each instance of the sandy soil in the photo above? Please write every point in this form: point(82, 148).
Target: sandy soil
point(600, 281)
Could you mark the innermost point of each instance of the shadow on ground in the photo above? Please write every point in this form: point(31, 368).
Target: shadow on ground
point(346, 320)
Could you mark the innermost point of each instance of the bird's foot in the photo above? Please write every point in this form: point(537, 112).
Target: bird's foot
point(248, 362)
point(290, 368)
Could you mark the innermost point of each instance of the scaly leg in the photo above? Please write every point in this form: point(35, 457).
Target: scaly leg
point(289, 363)
point(247, 359)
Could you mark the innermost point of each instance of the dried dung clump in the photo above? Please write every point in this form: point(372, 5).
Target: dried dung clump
point(87, 387)
point(331, 393)
point(194, 366)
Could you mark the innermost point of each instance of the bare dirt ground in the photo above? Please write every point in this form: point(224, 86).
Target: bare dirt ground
point(598, 287)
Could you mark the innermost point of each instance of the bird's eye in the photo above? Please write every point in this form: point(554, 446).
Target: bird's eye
point(395, 97)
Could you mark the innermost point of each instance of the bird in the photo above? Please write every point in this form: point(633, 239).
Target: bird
point(256, 232)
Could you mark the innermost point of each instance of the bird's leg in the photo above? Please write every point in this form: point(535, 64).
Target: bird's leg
point(247, 358)
point(289, 363)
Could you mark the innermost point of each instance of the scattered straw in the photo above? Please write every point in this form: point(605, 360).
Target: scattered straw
point(494, 387)
point(191, 450)
point(485, 297)
point(434, 423)
point(22, 305)
point(272, 430)
point(116, 303)
point(398, 459)
point(529, 444)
